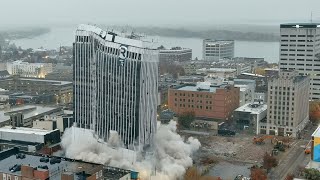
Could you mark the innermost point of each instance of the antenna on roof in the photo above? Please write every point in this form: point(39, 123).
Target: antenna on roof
point(311, 17)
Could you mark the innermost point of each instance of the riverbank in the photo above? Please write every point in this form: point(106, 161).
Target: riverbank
point(23, 33)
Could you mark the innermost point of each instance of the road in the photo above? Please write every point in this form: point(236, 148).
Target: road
point(294, 157)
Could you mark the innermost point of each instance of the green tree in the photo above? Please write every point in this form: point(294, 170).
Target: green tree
point(312, 174)
point(186, 119)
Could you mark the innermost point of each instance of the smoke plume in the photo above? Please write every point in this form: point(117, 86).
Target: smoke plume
point(169, 159)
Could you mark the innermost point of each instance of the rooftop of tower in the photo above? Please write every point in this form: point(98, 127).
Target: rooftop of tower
point(131, 39)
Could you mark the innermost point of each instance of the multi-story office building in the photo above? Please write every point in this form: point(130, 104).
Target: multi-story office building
point(206, 101)
point(175, 54)
point(25, 69)
point(190, 68)
point(62, 90)
point(116, 85)
point(215, 50)
point(249, 115)
point(300, 50)
point(61, 73)
point(288, 104)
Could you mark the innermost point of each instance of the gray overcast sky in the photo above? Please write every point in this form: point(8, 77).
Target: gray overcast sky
point(155, 12)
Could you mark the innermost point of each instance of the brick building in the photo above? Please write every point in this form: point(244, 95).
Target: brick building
point(207, 101)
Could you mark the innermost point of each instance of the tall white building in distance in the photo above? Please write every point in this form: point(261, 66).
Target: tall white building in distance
point(116, 85)
point(25, 69)
point(300, 50)
point(288, 104)
point(215, 50)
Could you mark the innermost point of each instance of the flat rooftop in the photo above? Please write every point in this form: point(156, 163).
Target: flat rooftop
point(271, 69)
point(66, 165)
point(255, 109)
point(316, 133)
point(28, 111)
point(300, 25)
point(251, 74)
point(69, 166)
point(243, 87)
point(54, 82)
point(214, 41)
point(112, 173)
point(200, 87)
point(22, 130)
point(217, 70)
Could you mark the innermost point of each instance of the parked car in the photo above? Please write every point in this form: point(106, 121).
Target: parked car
point(226, 132)
point(55, 160)
point(15, 168)
point(44, 159)
point(20, 156)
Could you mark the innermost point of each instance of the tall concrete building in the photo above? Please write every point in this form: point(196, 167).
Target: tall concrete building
point(214, 50)
point(116, 85)
point(300, 50)
point(288, 104)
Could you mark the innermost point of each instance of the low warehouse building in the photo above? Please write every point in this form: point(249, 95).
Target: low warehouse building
point(27, 139)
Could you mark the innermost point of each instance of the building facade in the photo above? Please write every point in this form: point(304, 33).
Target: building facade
point(175, 54)
point(61, 90)
point(250, 115)
point(208, 102)
point(300, 50)
point(190, 68)
point(214, 50)
point(25, 69)
point(288, 104)
point(116, 85)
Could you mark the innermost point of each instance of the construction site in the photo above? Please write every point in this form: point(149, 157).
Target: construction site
point(220, 155)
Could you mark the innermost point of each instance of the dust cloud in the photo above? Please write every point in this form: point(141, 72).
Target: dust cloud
point(168, 159)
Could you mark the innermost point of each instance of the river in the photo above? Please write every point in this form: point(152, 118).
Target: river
point(65, 36)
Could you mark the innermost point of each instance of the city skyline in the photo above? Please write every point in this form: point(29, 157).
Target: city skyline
point(210, 89)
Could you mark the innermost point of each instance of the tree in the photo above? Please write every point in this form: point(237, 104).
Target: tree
point(269, 161)
point(171, 68)
point(258, 174)
point(194, 174)
point(314, 111)
point(186, 119)
point(289, 177)
point(161, 47)
point(312, 174)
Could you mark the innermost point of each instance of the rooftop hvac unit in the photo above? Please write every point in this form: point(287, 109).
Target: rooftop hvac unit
point(16, 120)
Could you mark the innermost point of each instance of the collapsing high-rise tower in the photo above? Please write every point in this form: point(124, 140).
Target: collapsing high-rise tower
point(115, 85)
